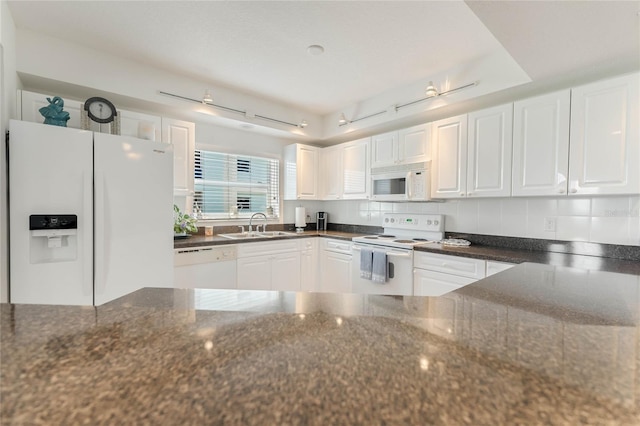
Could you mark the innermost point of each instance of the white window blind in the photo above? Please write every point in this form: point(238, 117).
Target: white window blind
point(229, 186)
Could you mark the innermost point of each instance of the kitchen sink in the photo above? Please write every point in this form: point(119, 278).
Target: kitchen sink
point(250, 235)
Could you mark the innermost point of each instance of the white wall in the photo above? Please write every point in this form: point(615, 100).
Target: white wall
point(78, 66)
point(8, 86)
point(610, 220)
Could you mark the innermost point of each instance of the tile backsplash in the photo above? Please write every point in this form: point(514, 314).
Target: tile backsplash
point(609, 220)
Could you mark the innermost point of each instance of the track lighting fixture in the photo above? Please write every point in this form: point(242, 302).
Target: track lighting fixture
point(207, 99)
point(431, 90)
point(343, 120)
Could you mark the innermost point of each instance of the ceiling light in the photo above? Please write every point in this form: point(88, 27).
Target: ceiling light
point(207, 98)
point(431, 90)
point(303, 124)
point(315, 50)
point(343, 120)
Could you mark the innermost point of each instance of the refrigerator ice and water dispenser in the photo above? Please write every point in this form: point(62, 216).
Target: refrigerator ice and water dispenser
point(53, 238)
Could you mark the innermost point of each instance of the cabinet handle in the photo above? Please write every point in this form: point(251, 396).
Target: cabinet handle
point(469, 194)
point(462, 194)
point(573, 190)
point(560, 191)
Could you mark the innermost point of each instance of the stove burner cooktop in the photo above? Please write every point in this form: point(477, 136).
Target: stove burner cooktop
point(404, 241)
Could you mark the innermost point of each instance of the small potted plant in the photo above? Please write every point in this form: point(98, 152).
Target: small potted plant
point(183, 224)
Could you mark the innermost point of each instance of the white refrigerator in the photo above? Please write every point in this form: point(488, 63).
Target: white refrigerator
point(90, 215)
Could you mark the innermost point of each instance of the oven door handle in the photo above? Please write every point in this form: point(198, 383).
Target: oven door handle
point(389, 253)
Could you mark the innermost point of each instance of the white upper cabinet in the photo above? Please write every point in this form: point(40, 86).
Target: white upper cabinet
point(331, 172)
point(181, 134)
point(384, 149)
point(411, 145)
point(541, 145)
point(355, 169)
point(449, 163)
point(344, 171)
point(414, 144)
point(489, 152)
point(605, 137)
point(301, 172)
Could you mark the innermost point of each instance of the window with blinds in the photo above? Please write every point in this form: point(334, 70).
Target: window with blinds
point(229, 186)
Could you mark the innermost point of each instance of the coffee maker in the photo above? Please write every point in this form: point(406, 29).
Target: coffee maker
point(322, 219)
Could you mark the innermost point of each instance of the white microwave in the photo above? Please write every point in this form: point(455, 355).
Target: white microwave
point(408, 182)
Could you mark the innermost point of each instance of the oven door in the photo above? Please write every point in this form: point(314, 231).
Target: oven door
point(399, 272)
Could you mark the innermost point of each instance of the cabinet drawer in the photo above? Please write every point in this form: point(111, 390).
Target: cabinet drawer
point(462, 266)
point(433, 284)
point(337, 246)
point(257, 249)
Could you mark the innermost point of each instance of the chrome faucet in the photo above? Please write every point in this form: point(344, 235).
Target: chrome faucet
point(264, 227)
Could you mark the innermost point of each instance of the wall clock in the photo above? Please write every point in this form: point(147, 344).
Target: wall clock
point(102, 111)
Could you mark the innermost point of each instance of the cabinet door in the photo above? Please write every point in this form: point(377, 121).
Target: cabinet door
point(285, 271)
point(336, 273)
point(605, 137)
point(307, 172)
point(355, 169)
point(541, 145)
point(450, 158)
point(384, 149)
point(181, 135)
point(254, 273)
point(414, 144)
point(143, 126)
point(489, 152)
point(331, 172)
point(308, 264)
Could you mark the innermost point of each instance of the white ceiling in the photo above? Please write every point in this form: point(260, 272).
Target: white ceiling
point(259, 47)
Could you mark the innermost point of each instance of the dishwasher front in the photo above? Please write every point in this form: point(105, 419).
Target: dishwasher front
point(205, 267)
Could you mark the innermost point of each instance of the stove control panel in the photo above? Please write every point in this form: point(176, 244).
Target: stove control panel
point(414, 221)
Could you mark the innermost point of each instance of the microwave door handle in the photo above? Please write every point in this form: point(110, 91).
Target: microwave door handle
point(408, 186)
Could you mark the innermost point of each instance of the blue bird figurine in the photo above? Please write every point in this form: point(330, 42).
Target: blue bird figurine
point(53, 113)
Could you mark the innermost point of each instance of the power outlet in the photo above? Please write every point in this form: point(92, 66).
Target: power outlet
point(550, 224)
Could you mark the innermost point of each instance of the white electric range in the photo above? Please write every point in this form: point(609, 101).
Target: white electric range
point(402, 232)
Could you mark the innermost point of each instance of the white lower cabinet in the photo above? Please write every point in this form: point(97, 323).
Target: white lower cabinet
point(335, 266)
point(269, 266)
point(438, 274)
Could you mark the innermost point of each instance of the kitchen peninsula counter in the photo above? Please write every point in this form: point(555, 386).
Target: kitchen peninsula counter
point(536, 344)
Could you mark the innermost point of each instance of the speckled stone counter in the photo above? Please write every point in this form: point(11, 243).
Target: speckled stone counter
point(214, 240)
point(536, 344)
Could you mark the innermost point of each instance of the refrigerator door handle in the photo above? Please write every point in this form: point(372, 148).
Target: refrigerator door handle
point(101, 225)
point(87, 234)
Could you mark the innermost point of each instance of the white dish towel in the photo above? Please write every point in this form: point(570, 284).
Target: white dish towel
point(379, 269)
point(366, 263)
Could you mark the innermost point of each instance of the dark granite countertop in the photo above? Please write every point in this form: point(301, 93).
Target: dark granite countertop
point(536, 344)
point(202, 240)
point(547, 257)
point(590, 256)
